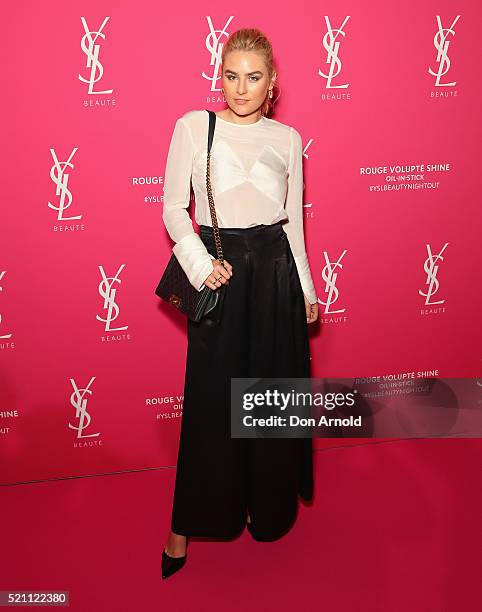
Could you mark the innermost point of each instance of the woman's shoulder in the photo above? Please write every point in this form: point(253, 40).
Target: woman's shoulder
point(195, 122)
point(287, 129)
point(197, 116)
point(194, 117)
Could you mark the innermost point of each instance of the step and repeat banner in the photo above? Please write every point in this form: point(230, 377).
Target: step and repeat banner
point(387, 100)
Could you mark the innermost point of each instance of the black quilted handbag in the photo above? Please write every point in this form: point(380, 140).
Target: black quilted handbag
point(174, 286)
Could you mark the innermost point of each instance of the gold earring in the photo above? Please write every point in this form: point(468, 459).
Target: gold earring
point(270, 93)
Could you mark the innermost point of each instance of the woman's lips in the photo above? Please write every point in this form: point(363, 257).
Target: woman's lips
point(240, 101)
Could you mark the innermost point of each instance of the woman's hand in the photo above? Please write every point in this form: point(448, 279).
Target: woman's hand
point(220, 274)
point(311, 311)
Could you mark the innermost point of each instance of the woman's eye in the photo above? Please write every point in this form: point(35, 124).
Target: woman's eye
point(230, 77)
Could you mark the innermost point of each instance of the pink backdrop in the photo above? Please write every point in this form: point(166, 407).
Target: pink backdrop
point(86, 347)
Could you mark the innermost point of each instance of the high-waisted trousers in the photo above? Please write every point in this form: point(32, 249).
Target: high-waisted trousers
point(262, 332)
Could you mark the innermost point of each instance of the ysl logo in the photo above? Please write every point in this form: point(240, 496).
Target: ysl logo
point(306, 147)
point(306, 156)
point(329, 275)
point(215, 47)
point(442, 45)
point(61, 178)
point(431, 268)
point(2, 274)
point(79, 402)
point(91, 50)
point(107, 291)
point(332, 46)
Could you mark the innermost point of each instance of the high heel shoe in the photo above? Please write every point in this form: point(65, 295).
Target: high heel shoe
point(172, 564)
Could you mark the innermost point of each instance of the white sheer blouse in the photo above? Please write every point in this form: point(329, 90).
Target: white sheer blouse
point(256, 177)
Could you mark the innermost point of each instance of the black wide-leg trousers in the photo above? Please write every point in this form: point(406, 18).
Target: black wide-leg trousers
point(262, 332)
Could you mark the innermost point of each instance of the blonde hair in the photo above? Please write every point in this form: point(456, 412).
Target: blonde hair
point(252, 39)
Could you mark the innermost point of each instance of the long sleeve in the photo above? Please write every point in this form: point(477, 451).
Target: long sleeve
point(294, 207)
point(189, 249)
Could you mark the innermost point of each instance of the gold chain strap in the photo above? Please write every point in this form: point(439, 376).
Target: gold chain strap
point(217, 238)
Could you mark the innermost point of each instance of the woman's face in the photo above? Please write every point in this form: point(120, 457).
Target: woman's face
point(245, 77)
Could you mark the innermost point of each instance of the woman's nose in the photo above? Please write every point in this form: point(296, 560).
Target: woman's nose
point(241, 88)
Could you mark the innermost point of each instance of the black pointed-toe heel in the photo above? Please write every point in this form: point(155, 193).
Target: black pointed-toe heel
point(171, 564)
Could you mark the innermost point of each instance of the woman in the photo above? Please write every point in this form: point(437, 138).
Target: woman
point(222, 483)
